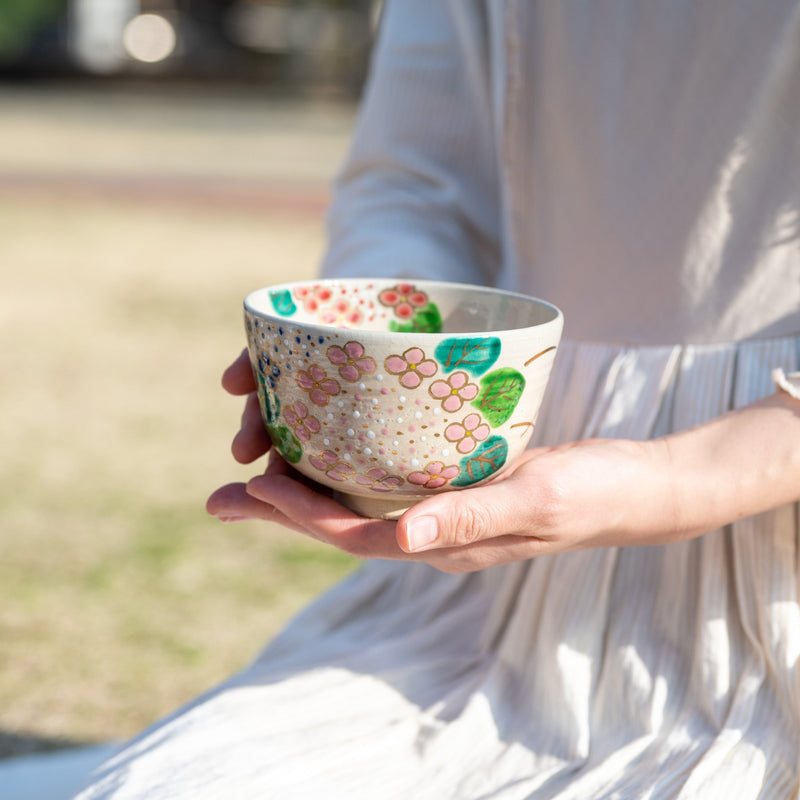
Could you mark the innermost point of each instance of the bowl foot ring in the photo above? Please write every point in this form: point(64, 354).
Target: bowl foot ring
point(373, 507)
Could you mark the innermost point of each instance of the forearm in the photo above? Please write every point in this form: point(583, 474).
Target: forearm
point(742, 463)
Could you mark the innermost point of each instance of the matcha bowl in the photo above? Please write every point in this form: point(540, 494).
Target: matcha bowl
point(389, 391)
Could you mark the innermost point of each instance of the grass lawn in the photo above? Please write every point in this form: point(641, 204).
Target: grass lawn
point(120, 598)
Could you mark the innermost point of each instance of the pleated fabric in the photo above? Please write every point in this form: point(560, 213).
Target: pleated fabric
point(642, 672)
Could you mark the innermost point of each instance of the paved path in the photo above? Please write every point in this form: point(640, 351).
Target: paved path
point(226, 146)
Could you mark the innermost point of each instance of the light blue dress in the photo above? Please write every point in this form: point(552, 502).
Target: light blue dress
point(636, 162)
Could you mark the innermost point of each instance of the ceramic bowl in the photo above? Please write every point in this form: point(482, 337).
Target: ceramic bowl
point(388, 392)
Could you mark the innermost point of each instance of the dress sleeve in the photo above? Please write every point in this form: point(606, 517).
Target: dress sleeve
point(787, 381)
point(418, 193)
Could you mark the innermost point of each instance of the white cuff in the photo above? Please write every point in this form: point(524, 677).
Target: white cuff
point(790, 382)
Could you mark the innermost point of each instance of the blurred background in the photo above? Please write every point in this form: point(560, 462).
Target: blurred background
point(158, 160)
point(310, 45)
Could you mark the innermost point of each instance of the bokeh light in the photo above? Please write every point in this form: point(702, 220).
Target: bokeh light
point(149, 38)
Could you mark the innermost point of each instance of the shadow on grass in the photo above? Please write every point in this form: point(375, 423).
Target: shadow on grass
point(15, 743)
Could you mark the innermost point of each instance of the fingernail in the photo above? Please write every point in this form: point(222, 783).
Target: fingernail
point(227, 518)
point(422, 532)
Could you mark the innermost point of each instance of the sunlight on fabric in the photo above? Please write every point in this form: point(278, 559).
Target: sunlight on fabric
point(786, 615)
point(575, 668)
point(717, 653)
point(713, 228)
point(648, 691)
point(626, 386)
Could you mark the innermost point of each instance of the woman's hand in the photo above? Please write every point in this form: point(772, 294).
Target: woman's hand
point(252, 440)
point(587, 494)
point(549, 501)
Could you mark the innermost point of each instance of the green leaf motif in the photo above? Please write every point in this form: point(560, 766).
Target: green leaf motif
point(283, 303)
point(270, 404)
point(473, 355)
point(485, 461)
point(285, 443)
point(426, 320)
point(500, 392)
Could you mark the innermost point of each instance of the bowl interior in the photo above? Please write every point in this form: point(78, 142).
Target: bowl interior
point(391, 305)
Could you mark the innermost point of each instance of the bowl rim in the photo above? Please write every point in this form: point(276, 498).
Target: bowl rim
point(422, 283)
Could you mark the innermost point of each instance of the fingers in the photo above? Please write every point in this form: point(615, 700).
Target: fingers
point(252, 440)
point(360, 538)
point(324, 519)
point(231, 503)
point(238, 377)
point(281, 496)
point(466, 518)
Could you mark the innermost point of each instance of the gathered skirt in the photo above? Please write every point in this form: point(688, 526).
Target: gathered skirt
point(644, 672)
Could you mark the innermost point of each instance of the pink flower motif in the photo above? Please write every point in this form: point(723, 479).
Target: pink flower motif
point(302, 425)
point(471, 431)
point(454, 392)
point(323, 293)
point(351, 361)
point(436, 474)
point(341, 315)
point(378, 480)
point(404, 298)
point(313, 297)
point(319, 386)
point(328, 462)
point(412, 367)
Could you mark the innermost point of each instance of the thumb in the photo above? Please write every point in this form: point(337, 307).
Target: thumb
point(458, 518)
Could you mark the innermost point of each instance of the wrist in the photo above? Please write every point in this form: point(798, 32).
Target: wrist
point(737, 465)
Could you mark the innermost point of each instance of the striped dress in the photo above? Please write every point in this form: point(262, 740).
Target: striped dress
point(636, 162)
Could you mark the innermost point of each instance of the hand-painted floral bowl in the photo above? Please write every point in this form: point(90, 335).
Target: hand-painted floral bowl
point(388, 392)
